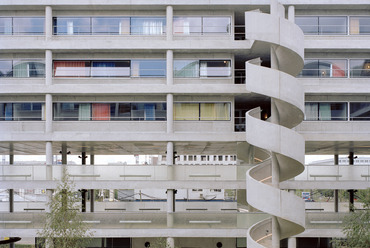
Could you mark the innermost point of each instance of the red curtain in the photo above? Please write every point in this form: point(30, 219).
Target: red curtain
point(101, 111)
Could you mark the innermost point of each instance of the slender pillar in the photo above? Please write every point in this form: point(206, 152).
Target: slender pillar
point(11, 191)
point(49, 160)
point(170, 242)
point(292, 242)
point(48, 22)
point(48, 67)
point(336, 202)
point(169, 67)
point(169, 22)
point(170, 192)
point(351, 191)
point(64, 153)
point(48, 113)
point(83, 202)
point(92, 191)
point(274, 7)
point(291, 13)
point(169, 114)
point(275, 233)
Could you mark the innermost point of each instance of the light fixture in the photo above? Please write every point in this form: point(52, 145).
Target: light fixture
point(147, 244)
point(219, 244)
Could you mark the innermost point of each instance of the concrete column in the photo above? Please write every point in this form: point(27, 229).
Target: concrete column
point(291, 13)
point(11, 191)
point(274, 7)
point(64, 153)
point(48, 67)
point(48, 22)
point(48, 113)
point(83, 201)
point(292, 242)
point(274, 58)
point(336, 202)
point(169, 22)
point(92, 191)
point(170, 192)
point(170, 242)
point(169, 114)
point(169, 67)
point(351, 191)
point(49, 160)
point(92, 200)
point(275, 233)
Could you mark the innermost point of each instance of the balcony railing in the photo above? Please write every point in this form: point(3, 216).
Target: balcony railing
point(181, 220)
point(125, 172)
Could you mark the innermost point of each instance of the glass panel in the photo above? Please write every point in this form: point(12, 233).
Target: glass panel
point(71, 25)
point(6, 111)
point(186, 111)
point(121, 111)
point(71, 68)
point(187, 25)
point(310, 69)
point(214, 111)
point(311, 111)
point(333, 111)
point(66, 111)
point(186, 68)
point(23, 68)
point(84, 112)
point(148, 25)
point(110, 25)
point(216, 25)
point(110, 69)
point(360, 67)
point(6, 68)
point(359, 25)
point(309, 25)
point(27, 111)
point(6, 25)
point(215, 68)
point(28, 25)
point(360, 111)
point(148, 68)
point(100, 111)
point(333, 25)
point(333, 68)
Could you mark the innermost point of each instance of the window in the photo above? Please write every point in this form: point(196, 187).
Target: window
point(186, 68)
point(359, 67)
point(110, 25)
point(325, 111)
point(110, 111)
point(148, 68)
point(25, 68)
point(322, 25)
point(332, 68)
point(202, 111)
point(110, 69)
point(148, 25)
point(71, 68)
point(21, 111)
point(202, 68)
point(6, 68)
point(215, 68)
point(27, 26)
point(6, 26)
point(359, 25)
point(72, 25)
point(359, 111)
point(187, 25)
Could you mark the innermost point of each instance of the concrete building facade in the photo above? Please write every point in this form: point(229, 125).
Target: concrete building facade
point(227, 96)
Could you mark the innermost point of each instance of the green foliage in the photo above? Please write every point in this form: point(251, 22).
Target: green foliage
point(160, 243)
point(356, 226)
point(63, 226)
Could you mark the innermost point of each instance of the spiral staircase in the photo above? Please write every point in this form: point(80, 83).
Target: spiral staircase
point(284, 41)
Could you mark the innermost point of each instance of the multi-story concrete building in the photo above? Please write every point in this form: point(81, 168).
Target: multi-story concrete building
point(218, 83)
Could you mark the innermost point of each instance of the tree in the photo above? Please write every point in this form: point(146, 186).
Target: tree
point(64, 227)
point(356, 226)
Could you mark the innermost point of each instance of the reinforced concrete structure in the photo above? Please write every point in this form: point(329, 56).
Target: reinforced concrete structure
point(229, 95)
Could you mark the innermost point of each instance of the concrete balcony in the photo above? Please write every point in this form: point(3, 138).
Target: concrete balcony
point(195, 224)
point(125, 176)
point(335, 85)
